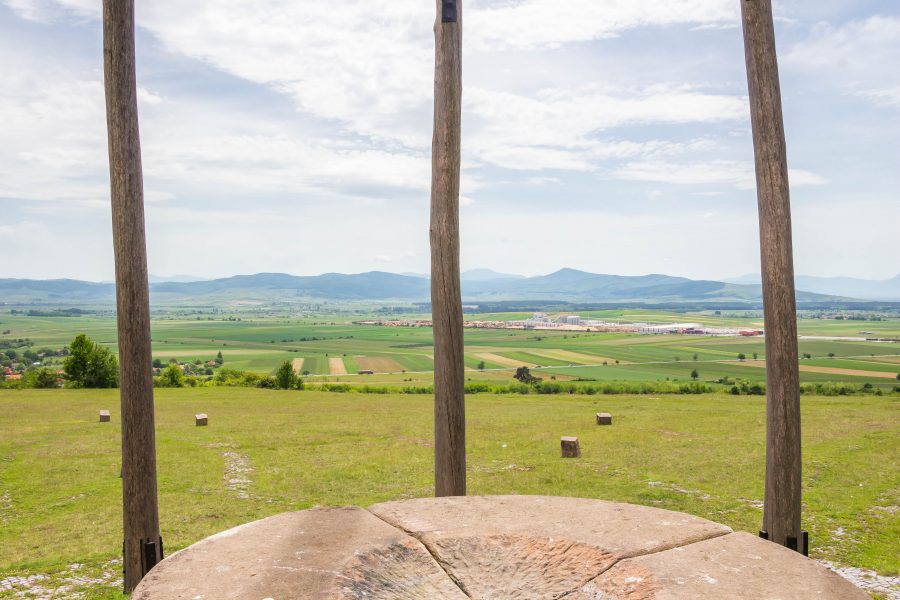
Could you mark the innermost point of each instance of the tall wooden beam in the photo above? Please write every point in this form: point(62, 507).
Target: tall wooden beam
point(142, 544)
point(446, 301)
point(781, 515)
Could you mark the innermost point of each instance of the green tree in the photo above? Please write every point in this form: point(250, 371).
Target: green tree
point(42, 378)
point(742, 356)
point(90, 365)
point(171, 377)
point(524, 375)
point(695, 374)
point(219, 358)
point(481, 366)
point(285, 377)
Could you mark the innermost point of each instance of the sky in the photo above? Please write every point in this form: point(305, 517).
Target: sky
point(613, 137)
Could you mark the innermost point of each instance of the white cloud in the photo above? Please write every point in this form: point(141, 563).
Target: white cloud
point(241, 185)
point(800, 177)
point(889, 96)
point(737, 173)
point(859, 57)
point(527, 24)
point(371, 75)
point(53, 132)
point(557, 129)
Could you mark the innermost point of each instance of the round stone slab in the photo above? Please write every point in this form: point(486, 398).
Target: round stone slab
point(738, 565)
point(538, 546)
point(339, 553)
point(489, 547)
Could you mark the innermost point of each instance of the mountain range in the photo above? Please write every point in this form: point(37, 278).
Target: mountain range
point(479, 285)
point(853, 287)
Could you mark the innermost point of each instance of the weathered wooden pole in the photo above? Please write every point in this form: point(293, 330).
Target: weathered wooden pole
point(446, 300)
point(142, 545)
point(781, 515)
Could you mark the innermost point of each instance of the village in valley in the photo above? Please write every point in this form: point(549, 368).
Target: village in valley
point(568, 322)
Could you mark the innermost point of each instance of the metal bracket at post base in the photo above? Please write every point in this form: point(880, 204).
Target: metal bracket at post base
point(791, 542)
point(148, 555)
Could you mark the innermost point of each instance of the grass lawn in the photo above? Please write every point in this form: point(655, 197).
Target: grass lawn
point(265, 452)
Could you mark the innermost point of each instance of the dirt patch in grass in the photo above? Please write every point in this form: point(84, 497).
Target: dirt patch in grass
point(237, 473)
point(379, 364)
point(828, 370)
point(574, 357)
point(336, 366)
point(502, 360)
point(887, 359)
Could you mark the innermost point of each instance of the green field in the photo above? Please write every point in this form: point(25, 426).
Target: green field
point(403, 355)
point(265, 452)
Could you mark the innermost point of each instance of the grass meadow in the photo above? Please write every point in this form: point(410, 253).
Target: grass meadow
point(266, 452)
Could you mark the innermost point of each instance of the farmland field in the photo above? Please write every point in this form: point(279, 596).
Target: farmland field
point(404, 355)
point(266, 452)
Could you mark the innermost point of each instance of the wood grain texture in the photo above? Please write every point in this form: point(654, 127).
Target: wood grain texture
point(446, 299)
point(140, 508)
point(781, 515)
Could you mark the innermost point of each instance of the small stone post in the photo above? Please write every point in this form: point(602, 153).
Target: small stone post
point(104, 416)
point(604, 419)
point(201, 420)
point(570, 447)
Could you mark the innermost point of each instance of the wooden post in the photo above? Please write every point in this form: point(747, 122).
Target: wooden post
point(142, 545)
point(446, 300)
point(781, 515)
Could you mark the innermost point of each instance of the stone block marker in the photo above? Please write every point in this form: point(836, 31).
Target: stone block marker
point(570, 447)
point(104, 416)
point(201, 420)
point(604, 419)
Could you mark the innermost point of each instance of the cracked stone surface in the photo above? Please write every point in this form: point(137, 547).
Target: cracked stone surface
point(522, 547)
point(489, 548)
point(342, 553)
point(738, 565)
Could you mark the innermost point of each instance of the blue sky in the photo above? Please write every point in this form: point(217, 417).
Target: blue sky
point(295, 137)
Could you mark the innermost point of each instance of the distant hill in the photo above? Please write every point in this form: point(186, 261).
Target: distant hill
point(580, 286)
point(374, 285)
point(481, 285)
point(867, 289)
point(176, 278)
point(486, 275)
point(55, 290)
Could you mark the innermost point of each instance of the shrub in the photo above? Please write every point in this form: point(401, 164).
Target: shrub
point(170, 377)
point(90, 365)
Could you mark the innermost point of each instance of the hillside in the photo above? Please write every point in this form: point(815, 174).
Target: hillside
point(568, 285)
point(867, 289)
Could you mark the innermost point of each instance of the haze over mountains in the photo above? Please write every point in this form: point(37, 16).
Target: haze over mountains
point(479, 285)
point(852, 287)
